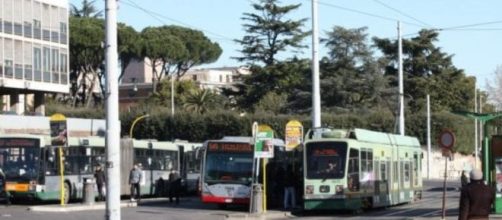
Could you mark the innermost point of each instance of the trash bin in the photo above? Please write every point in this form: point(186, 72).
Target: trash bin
point(256, 199)
point(88, 191)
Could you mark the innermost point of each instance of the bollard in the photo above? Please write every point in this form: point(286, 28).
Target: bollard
point(256, 200)
point(88, 191)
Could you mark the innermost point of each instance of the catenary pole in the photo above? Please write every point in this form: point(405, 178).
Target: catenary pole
point(112, 114)
point(428, 137)
point(316, 94)
point(476, 139)
point(401, 89)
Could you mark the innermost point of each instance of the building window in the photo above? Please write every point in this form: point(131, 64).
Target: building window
point(221, 78)
point(46, 67)
point(18, 29)
point(37, 62)
point(55, 65)
point(63, 31)
point(7, 27)
point(9, 71)
point(63, 63)
point(37, 29)
point(27, 29)
point(28, 72)
point(194, 77)
point(18, 70)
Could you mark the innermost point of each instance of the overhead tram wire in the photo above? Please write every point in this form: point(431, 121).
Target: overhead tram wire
point(366, 13)
point(402, 13)
point(462, 27)
point(157, 16)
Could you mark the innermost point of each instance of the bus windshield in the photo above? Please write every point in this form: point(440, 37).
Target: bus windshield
point(228, 163)
point(20, 158)
point(326, 160)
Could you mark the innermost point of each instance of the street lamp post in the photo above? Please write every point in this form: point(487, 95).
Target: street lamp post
point(136, 121)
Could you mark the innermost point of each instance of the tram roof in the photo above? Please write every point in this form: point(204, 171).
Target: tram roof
point(369, 136)
point(385, 138)
point(247, 139)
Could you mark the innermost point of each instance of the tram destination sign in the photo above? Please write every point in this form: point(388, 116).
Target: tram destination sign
point(229, 147)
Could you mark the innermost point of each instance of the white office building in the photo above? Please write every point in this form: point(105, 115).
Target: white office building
point(34, 53)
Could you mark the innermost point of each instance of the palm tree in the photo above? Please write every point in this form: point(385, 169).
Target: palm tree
point(87, 10)
point(201, 101)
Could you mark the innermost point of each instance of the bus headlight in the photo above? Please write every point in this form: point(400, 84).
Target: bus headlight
point(309, 189)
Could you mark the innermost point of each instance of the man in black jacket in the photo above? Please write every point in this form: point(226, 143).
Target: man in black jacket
point(476, 198)
point(100, 177)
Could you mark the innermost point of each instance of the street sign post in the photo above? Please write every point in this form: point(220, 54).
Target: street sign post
point(446, 140)
point(59, 137)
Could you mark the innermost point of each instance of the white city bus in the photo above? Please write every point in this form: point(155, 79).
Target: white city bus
point(226, 173)
point(32, 167)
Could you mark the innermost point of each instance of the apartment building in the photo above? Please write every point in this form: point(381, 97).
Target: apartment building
point(136, 83)
point(34, 53)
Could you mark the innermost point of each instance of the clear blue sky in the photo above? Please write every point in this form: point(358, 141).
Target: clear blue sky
point(477, 49)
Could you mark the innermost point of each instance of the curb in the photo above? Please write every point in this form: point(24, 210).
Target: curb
point(76, 207)
point(268, 215)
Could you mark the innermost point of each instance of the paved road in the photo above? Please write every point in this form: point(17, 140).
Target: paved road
point(190, 208)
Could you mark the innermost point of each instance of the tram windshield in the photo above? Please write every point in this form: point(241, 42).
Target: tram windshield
point(326, 160)
point(19, 158)
point(229, 163)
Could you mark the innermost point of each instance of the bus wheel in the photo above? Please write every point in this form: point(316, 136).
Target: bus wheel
point(66, 189)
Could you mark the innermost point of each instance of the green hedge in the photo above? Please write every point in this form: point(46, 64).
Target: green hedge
point(198, 128)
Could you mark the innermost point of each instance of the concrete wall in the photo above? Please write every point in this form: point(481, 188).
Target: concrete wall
point(454, 167)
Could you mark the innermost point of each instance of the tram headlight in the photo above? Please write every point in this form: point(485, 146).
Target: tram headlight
point(339, 189)
point(309, 189)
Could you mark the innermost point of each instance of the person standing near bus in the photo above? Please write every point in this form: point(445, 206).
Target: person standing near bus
point(289, 188)
point(100, 177)
point(476, 198)
point(134, 180)
point(174, 186)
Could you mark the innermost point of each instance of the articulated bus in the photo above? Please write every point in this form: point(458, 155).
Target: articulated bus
point(32, 167)
point(227, 166)
point(358, 169)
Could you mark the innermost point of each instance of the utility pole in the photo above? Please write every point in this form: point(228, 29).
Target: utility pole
point(316, 94)
point(428, 136)
point(172, 94)
point(112, 114)
point(401, 89)
point(476, 139)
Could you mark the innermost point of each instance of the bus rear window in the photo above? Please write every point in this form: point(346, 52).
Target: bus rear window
point(326, 159)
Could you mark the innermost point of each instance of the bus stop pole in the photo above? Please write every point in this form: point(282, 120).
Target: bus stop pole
point(61, 173)
point(264, 170)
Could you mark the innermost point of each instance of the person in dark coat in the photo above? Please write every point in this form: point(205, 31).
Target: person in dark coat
point(100, 177)
point(464, 180)
point(174, 186)
point(476, 198)
point(289, 188)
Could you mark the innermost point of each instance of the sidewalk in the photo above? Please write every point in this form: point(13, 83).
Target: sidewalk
point(76, 207)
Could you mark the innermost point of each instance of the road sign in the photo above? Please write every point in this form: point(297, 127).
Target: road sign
point(263, 145)
point(59, 132)
point(293, 135)
point(446, 139)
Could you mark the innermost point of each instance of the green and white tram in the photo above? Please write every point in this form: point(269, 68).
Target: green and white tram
point(32, 167)
point(357, 169)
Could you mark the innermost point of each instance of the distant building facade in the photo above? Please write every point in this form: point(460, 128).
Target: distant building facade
point(34, 54)
point(137, 81)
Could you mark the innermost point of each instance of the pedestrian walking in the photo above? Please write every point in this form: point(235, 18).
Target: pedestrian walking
point(100, 177)
point(476, 198)
point(134, 178)
point(174, 186)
